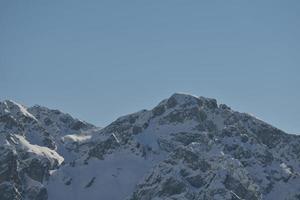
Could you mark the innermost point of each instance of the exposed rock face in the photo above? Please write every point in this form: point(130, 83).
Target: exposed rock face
point(212, 152)
point(9, 176)
point(27, 144)
point(186, 148)
point(24, 167)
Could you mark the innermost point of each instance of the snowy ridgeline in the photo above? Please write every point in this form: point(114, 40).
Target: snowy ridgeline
point(186, 147)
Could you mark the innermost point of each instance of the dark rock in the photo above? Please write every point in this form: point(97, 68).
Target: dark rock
point(78, 125)
point(102, 148)
point(211, 103)
point(171, 187)
point(50, 143)
point(187, 138)
point(68, 182)
point(91, 182)
point(37, 193)
point(184, 173)
point(191, 159)
point(136, 130)
point(48, 121)
point(158, 110)
point(175, 117)
point(145, 125)
point(38, 169)
point(8, 166)
point(244, 138)
point(196, 181)
point(65, 119)
point(224, 107)
point(270, 136)
point(239, 189)
point(266, 158)
point(9, 192)
point(241, 153)
point(171, 102)
point(42, 195)
point(9, 122)
point(132, 119)
point(210, 125)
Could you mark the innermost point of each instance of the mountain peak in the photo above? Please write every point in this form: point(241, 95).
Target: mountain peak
point(186, 100)
point(14, 108)
point(183, 96)
point(11, 104)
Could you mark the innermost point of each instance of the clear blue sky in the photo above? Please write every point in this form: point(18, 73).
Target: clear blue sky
point(98, 60)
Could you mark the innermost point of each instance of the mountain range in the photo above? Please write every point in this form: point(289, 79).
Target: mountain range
point(185, 148)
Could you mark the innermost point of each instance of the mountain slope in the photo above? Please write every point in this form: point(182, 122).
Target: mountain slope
point(30, 148)
point(186, 147)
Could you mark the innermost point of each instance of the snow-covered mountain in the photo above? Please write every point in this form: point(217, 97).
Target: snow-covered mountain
point(186, 148)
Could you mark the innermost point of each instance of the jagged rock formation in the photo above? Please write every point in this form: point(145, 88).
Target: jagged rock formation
point(28, 147)
point(185, 148)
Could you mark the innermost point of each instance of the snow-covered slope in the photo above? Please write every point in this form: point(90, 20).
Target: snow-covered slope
point(30, 146)
point(186, 147)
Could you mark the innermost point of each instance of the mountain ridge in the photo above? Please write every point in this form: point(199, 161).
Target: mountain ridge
point(186, 147)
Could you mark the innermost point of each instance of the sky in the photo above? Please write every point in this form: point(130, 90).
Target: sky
point(98, 60)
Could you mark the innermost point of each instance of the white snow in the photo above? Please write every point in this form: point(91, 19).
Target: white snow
point(115, 178)
point(285, 168)
point(114, 135)
point(20, 108)
point(76, 138)
point(39, 150)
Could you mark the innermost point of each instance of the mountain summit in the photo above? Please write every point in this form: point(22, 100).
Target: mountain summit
point(185, 148)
